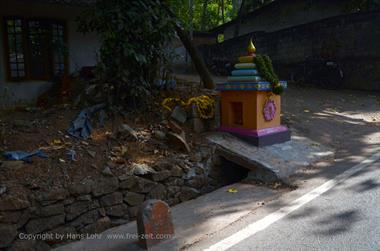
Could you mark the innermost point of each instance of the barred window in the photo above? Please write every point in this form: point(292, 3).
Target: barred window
point(35, 48)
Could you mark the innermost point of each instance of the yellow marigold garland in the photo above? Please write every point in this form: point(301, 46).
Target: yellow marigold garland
point(170, 103)
point(205, 105)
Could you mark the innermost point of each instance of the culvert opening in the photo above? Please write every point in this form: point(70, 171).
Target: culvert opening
point(232, 172)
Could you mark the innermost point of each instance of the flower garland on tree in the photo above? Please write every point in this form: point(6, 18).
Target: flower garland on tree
point(265, 67)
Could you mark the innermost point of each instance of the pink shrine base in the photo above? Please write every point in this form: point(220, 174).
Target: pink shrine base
point(261, 137)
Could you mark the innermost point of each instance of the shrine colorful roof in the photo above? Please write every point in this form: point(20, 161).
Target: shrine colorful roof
point(248, 86)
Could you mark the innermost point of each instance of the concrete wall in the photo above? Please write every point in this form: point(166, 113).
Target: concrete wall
point(82, 48)
point(283, 14)
point(352, 40)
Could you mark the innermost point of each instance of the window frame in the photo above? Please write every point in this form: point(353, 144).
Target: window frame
point(27, 50)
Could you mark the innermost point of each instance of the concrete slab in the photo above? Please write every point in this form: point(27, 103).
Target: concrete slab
point(193, 220)
point(270, 163)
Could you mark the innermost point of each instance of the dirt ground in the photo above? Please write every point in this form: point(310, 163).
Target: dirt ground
point(46, 129)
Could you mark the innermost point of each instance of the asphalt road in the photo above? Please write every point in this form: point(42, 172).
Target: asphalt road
point(346, 217)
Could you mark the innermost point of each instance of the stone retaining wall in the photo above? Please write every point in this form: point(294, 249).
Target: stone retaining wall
point(91, 206)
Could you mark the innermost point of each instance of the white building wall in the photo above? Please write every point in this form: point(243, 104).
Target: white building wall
point(82, 48)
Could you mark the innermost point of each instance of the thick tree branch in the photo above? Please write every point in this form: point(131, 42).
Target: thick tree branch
point(198, 62)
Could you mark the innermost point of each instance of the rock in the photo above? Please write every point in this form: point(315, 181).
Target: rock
point(18, 218)
point(175, 182)
point(125, 177)
point(39, 225)
point(111, 199)
point(91, 153)
point(3, 189)
point(128, 181)
point(52, 196)
point(173, 190)
point(188, 193)
point(178, 142)
point(162, 175)
point(117, 211)
point(200, 168)
point(9, 216)
point(14, 203)
point(127, 131)
point(158, 192)
point(85, 219)
point(99, 226)
point(205, 151)
point(78, 208)
point(50, 210)
point(176, 171)
point(175, 127)
point(196, 157)
point(179, 114)
point(107, 171)
point(134, 199)
point(196, 182)
point(68, 201)
point(102, 211)
point(143, 185)
point(164, 164)
point(105, 186)
point(160, 135)
point(173, 201)
point(140, 169)
point(86, 197)
point(133, 211)
point(190, 174)
point(7, 234)
point(83, 187)
point(154, 219)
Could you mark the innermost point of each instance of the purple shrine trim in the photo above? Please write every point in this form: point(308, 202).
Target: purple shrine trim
point(254, 133)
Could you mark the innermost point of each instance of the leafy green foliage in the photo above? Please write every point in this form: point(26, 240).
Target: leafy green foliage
point(363, 5)
point(211, 16)
point(133, 36)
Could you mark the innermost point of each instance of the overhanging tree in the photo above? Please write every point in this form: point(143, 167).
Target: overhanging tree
point(133, 35)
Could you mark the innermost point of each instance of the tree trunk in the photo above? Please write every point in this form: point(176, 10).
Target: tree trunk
point(198, 62)
point(239, 19)
point(204, 12)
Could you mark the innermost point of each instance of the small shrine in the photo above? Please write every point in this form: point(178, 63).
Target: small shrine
point(251, 101)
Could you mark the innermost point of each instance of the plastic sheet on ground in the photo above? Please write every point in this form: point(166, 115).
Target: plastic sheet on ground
point(25, 156)
point(81, 126)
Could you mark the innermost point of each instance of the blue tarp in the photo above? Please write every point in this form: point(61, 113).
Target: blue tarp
point(81, 126)
point(25, 156)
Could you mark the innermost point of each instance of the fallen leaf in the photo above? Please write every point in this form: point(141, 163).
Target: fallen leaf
point(276, 185)
point(57, 142)
point(232, 190)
